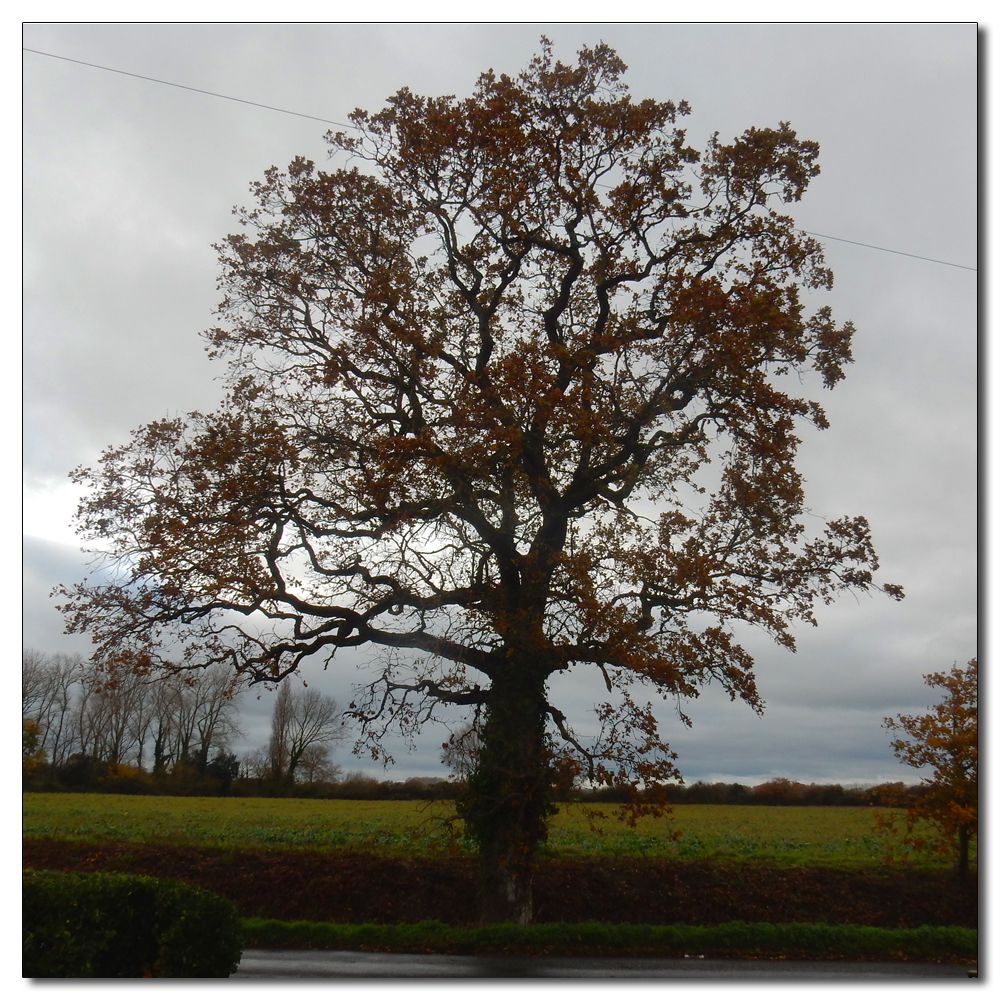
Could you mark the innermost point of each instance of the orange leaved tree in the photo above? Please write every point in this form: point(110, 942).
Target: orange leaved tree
point(509, 396)
point(947, 740)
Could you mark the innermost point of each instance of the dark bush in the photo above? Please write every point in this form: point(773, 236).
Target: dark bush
point(225, 768)
point(81, 771)
point(124, 785)
point(104, 926)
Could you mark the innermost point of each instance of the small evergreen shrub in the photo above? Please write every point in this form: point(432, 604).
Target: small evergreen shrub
point(108, 926)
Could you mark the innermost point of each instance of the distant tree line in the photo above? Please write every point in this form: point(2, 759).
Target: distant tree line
point(776, 792)
point(88, 729)
point(460, 753)
point(82, 724)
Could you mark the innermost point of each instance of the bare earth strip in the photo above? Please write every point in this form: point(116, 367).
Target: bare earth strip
point(346, 887)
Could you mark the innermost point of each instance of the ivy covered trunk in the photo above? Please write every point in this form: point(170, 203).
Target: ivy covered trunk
point(509, 799)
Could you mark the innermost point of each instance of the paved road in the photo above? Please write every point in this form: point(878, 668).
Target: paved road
point(377, 965)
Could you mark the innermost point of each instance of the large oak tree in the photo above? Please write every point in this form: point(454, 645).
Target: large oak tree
point(511, 393)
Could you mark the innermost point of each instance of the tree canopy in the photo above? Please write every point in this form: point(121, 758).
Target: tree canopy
point(511, 393)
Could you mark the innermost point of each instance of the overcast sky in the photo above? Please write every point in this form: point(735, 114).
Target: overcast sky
point(129, 182)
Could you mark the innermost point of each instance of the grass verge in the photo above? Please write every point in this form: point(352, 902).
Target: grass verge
point(738, 939)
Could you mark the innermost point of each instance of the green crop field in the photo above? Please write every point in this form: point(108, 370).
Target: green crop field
point(799, 835)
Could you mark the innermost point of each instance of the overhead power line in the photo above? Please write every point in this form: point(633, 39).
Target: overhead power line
point(902, 253)
point(181, 86)
point(328, 121)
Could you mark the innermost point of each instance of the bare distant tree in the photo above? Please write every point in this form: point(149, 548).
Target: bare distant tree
point(316, 764)
point(302, 721)
point(256, 764)
point(113, 715)
point(194, 714)
point(34, 679)
point(214, 694)
point(166, 707)
point(48, 684)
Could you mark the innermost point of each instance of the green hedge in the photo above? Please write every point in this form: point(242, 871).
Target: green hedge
point(107, 926)
point(635, 940)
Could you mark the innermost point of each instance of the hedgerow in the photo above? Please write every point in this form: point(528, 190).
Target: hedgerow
point(735, 939)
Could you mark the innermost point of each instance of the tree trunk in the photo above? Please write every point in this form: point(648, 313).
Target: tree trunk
point(201, 758)
point(160, 755)
point(508, 800)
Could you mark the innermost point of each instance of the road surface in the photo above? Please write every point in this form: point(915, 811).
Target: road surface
point(289, 964)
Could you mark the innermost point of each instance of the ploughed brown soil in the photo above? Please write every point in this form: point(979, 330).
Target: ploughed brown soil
point(364, 888)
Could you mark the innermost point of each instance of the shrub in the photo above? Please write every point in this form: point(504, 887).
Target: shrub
point(106, 926)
